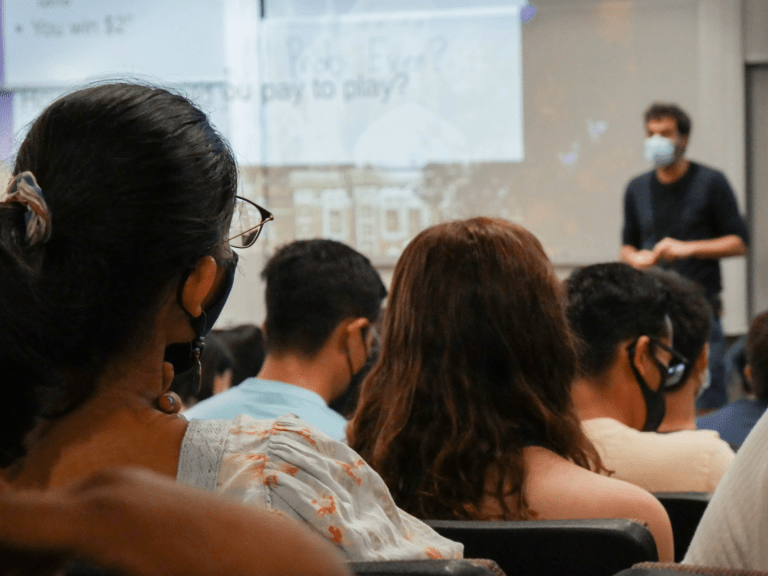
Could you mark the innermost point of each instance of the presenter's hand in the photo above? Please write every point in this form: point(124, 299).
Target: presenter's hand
point(671, 249)
point(642, 259)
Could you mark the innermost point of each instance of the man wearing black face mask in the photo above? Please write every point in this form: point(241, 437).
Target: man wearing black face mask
point(322, 299)
point(626, 363)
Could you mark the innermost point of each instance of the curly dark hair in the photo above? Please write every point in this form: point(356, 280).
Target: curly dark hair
point(663, 110)
point(476, 364)
point(691, 316)
point(608, 304)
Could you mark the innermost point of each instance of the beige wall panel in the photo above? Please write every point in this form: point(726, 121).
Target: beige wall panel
point(756, 31)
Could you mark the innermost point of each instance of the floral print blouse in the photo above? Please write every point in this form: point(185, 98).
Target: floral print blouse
point(291, 467)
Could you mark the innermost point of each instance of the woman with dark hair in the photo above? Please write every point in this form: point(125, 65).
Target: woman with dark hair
point(116, 237)
point(468, 414)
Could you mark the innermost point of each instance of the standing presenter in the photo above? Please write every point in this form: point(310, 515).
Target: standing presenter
point(683, 215)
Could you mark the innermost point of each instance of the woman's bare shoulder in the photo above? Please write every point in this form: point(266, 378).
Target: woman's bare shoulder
point(578, 492)
point(558, 489)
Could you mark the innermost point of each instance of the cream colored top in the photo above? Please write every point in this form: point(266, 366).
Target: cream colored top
point(294, 469)
point(686, 461)
point(734, 529)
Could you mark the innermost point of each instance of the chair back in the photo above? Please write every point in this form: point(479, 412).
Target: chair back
point(685, 510)
point(382, 568)
point(670, 569)
point(598, 547)
point(426, 568)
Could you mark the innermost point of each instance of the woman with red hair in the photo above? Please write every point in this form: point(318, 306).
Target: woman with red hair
point(468, 413)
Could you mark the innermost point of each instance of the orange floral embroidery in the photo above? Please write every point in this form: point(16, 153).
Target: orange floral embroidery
point(323, 510)
point(336, 534)
point(304, 433)
point(249, 432)
point(270, 480)
point(259, 462)
point(288, 469)
point(433, 553)
point(350, 468)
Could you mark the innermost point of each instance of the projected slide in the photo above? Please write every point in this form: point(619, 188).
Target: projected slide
point(384, 87)
point(54, 43)
point(398, 89)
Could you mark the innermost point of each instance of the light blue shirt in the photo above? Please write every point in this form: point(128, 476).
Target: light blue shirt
point(269, 399)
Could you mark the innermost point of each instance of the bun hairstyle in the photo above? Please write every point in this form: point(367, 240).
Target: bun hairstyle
point(139, 186)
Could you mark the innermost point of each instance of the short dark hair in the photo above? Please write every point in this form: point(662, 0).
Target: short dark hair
point(690, 312)
point(139, 186)
point(757, 354)
point(608, 304)
point(313, 285)
point(667, 110)
point(246, 344)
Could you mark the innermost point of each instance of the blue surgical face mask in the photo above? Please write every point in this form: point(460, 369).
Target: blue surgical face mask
point(660, 151)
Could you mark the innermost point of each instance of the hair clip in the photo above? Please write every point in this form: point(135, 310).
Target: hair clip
point(24, 189)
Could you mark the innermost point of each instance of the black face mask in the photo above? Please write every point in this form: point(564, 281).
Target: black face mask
point(346, 403)
point(370, 360)
point(185, 355)
point(655, 407)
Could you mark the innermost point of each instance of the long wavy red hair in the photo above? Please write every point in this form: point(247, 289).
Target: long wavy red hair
point(476, 364)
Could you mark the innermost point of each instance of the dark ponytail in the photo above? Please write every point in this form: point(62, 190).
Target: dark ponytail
point(19, 309)
point(139, 186)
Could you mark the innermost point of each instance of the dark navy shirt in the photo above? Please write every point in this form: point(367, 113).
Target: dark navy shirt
point(733, 422)
point(699, 206)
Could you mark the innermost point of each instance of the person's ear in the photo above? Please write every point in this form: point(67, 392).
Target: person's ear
point(748, 373)
point(168, 375)
point(199, 285)
point(645, 362)
point(699, 368)
point(354, 340)
point(354, 329)
point(702, 361)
